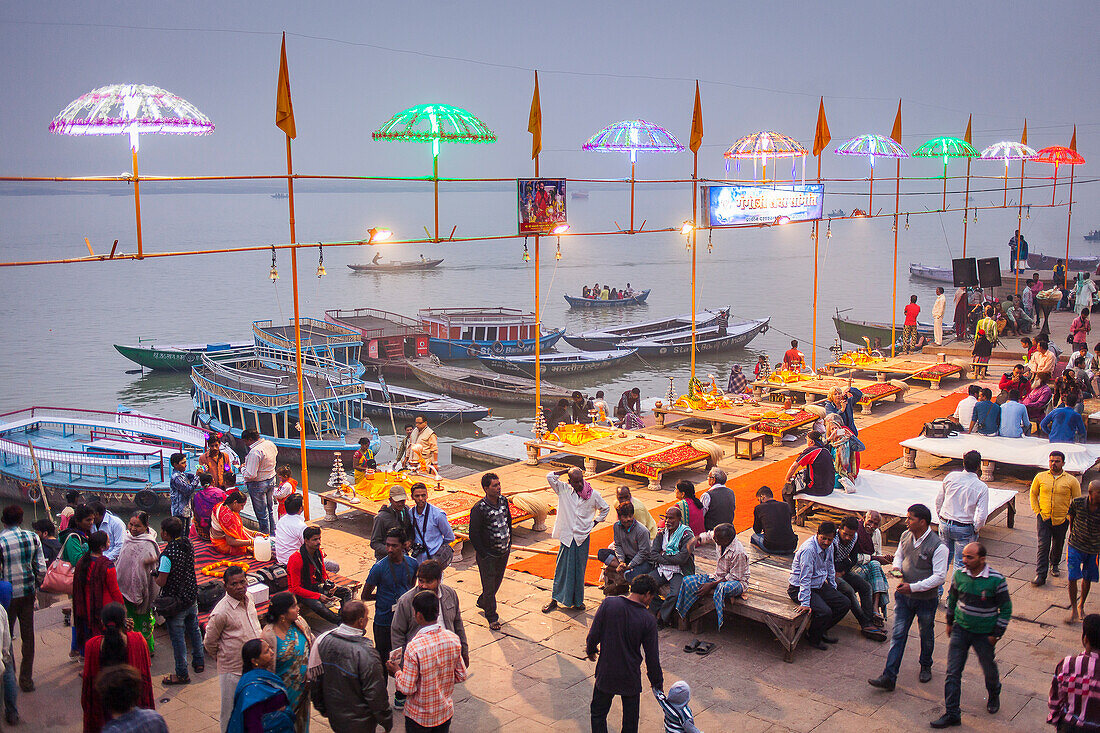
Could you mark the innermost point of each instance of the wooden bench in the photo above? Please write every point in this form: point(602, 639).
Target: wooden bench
point(749, 445)
point(765, 600)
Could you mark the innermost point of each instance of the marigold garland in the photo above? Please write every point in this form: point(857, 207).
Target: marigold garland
point(215, 569)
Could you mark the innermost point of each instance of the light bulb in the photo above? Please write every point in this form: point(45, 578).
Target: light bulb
point(321, 271)
point(274, 274)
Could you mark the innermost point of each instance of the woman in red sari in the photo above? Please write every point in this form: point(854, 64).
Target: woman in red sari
point(114, 646)
point(227, 534)
point(95, 584)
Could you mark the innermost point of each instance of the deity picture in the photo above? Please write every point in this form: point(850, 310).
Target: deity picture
point(541, 204)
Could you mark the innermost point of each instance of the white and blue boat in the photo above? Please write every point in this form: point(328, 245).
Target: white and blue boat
point(119, 458)
point(320, 339)
point(463, 333)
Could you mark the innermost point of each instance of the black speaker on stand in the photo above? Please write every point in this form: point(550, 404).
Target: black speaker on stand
point(964, 272)
point(989, 272)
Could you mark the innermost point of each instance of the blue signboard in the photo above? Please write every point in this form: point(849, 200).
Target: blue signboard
point(760, 204)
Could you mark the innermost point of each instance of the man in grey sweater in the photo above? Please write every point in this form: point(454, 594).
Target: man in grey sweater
point(429, 576)
point(629, 551)
point(351, 692)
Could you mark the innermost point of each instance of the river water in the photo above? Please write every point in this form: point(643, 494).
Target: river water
point(60, 321)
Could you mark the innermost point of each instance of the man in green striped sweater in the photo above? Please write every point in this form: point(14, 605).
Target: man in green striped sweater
point(978, 610)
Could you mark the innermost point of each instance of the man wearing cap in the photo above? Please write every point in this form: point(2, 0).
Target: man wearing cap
point(393, 515)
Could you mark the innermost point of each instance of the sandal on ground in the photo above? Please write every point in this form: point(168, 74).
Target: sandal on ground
point(199, 668)
point(494, 626)
point(875, 634)
point(693, 646)
point(706, 648)
point(174, 680)
point(550, 606)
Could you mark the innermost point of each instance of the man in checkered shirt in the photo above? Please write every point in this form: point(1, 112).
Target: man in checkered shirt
point(23, 565)
point(431, 666)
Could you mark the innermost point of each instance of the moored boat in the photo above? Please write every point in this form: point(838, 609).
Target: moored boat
point(636, 299)
point(176, 357)
point(931, 273)
point(389, 339)
point(1093, 236)
point(482, 385)
point(854, 331)
point(1037, 261)
point(397, 266)
point(551, 364)
point(461, 333)
point(119, 458)
point(321, 341)
point(710, 338)
point(610, 338)
point(408, 403)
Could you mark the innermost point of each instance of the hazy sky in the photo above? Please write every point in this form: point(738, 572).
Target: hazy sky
point(353, 65)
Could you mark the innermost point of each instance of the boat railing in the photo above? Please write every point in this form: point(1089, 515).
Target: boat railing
point(317, 366)
point(476, 316)
point(411, 326)
point(77, 464)
point(239, 384)
point(343, 334)
point(132, 422)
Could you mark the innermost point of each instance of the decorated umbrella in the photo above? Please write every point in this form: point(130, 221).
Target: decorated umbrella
point(131, 109)
point(1058, 155)
point(763, 145)
point(873, 146)
point(945, 147)
point(435, 123)
point(631, 136)
point(1007, 150)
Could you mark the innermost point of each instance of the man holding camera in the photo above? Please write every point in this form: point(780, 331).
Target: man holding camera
point(308, 579)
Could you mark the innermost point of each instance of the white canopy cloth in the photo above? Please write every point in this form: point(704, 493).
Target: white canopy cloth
point(1025, 451)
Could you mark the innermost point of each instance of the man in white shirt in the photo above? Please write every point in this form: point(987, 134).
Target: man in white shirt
point(922, 561)
point(962, 506)
point(289, 529)
point(964, 412)
point(938, 309)
point(258, 475)
point(580, 509)
point(107, 521)
point(1042, 360)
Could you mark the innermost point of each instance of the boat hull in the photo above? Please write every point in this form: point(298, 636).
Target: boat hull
point(397, 266)
point(680, 344)
point(485, 386)
point(553, 365)
point(20, 489)
point(449, 349)
point(611, 338)
point(318, 452)
point(1037, 261)
point(931, 274)
point(853, 332)
point(575, 302)
point(171, 359)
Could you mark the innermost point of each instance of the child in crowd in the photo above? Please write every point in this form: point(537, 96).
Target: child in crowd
point(678, 717)
point(286, 487)
point(72, 498)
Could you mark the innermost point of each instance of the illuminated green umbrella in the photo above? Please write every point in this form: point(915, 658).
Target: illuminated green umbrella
point(945, 147)
point(435, 123)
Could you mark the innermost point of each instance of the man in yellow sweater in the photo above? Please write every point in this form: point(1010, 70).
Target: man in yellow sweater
point(1051, 493)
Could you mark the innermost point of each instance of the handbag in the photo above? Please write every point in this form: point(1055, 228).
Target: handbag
point(941, 427)
point(59, 577)
point(167, 606)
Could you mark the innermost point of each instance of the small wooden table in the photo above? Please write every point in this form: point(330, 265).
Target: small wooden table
point(873, 392)
point(924, 371)
point(746, 415)
point(749, 445)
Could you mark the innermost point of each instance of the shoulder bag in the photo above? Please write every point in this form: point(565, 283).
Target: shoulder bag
point(59, 577)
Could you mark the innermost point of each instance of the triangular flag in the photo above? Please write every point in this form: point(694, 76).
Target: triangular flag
point(1073, 140)
point(284, 110)
point(534, 123)
point(895, 134)
point(1023, 138)
point(822, 135)
point(696, 123)
point(969, 140)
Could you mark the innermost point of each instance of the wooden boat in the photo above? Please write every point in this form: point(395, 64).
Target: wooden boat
point(550, 364)
point(482, 385)
point(853, 331)
point(389, 339)
point(931, 273)
point(736, 336)
point(260, 390)
point(408, 403)
point(176, 357)
point(636, 299)
point(1037, 261)
point(1093, 236)
point(462, 333)
point(118, 458)
point(321, 342)
point(610, 338)
point(397, 266)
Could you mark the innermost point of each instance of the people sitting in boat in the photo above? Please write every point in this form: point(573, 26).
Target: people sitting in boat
point(422, 257)
point(793, 360)
point(629, 293)
point(425, 437)
point(587, 292)
point(579, 408)
point(605, 293)
point(227, 534)
point(615, 294)
point(629, 410)
point(204, 502)
point(377, 258)
point(559, 415)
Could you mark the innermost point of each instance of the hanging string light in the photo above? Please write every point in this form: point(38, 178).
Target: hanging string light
point(710, 240)
point(829, 230)
point(274, 274)
point(526, 254)
point(907, 222)
point(557, 255)
point(1028, 212)
point(320, 261)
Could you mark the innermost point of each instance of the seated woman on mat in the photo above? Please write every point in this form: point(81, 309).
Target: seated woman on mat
point(870, 559)
point(227, 534)
point(205, 501)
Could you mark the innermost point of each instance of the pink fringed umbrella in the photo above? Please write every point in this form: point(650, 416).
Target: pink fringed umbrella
point(764, 145)
point(1057, 155)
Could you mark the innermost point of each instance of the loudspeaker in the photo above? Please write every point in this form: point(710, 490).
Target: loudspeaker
point(989, 272)
point(965, 272)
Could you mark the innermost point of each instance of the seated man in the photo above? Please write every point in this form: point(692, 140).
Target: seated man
point(308, 578)
point(1014, 420)
point(671, 557)
point(813, 472)
point(964, 411)
point(870, 559)
point(987, 415)
point(771, 524)
point(1038, 398)
point(853, 585)
point(1063, 425)
point(1014, 380)
point(812, 586)
point(629, 552)
point(641, 514)
point(730, 577)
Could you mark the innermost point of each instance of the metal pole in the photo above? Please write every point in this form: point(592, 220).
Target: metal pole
point(1019, 219)
point(538, 319)
point(631, 191)
point(1054, 191)
point(1069, 212)
point(435, 184)
point(137, 203)
point(302, 422)
point(966, 216)
point(944, 208)
point(694, 217)
point(813, 330)
point(894, 303)
point(871, 191)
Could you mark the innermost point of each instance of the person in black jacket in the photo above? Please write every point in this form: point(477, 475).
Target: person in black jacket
point(393, 515)
point(491, 536)
point(771, 524)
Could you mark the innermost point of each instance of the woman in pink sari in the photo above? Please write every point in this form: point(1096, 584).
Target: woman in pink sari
point(204, 501)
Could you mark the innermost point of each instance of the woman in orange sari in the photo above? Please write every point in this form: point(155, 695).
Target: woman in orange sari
point(227, 534)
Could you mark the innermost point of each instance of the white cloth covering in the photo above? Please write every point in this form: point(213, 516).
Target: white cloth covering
point(1026, 451)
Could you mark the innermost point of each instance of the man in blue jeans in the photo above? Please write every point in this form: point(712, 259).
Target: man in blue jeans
point(258, 474)
point(922, 560)
point(963, 506)
point(176, 578)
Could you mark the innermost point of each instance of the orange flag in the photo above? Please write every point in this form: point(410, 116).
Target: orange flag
point(967, 137)
point(822, 135)
point(534, 123)
point(696, 123)
point(1073, 140)
point(284, 110)
point(1023, 138)
point(895, 134)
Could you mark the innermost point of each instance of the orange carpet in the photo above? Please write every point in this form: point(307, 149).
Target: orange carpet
point(882, 440)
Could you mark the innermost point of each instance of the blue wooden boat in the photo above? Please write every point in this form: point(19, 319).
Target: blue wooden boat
point(463, 333)
point(708, 339)
point(610, 338)
point(320, 340)
point(554, 364)
point(118, 458)
point(636, 299)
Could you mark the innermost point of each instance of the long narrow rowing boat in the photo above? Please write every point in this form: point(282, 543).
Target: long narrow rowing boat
point(408, 403)
point(853, 331)
point(917, 271)
point(397, 266)
point(484, 385)
point(550, 364)
point(636, 299)
point(711, 338)
point(177, 357)
point(610, 338)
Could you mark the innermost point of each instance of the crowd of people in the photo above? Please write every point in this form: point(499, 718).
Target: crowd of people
point(606, 292)
point(582, 410)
